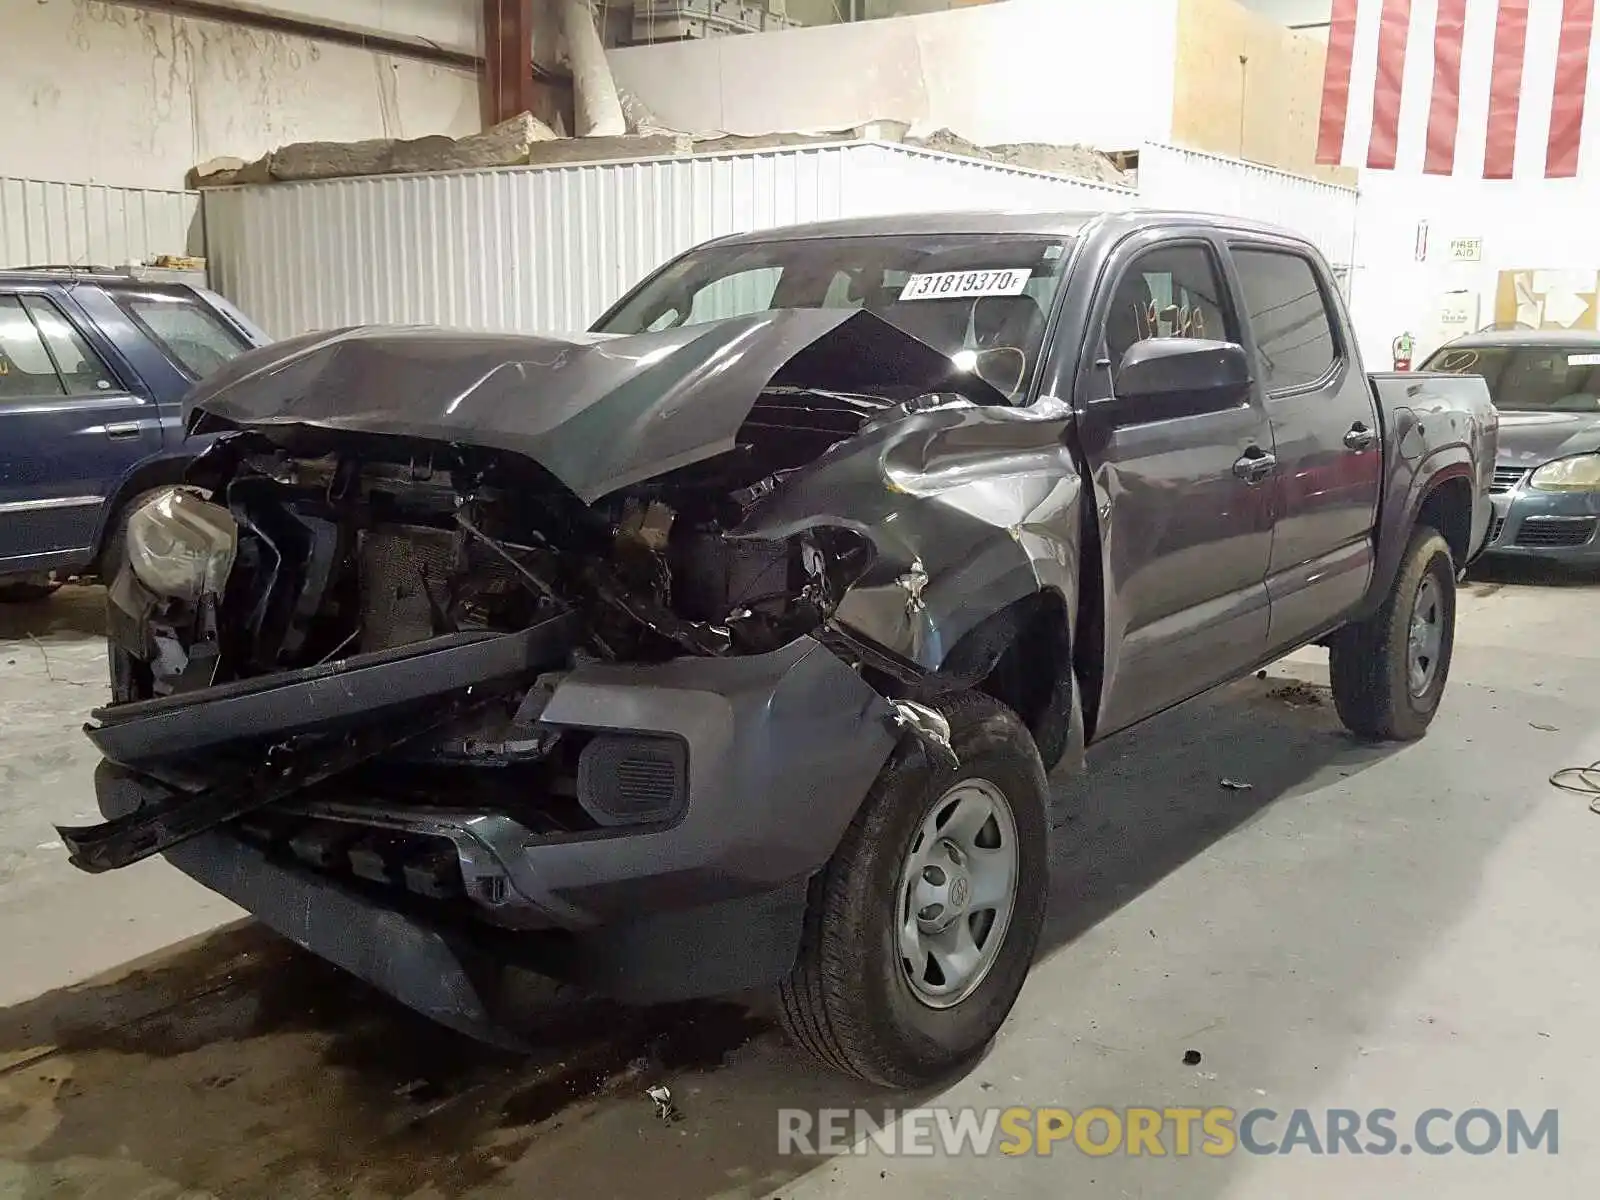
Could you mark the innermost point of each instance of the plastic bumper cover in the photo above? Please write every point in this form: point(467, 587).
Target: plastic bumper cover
point(782, 747)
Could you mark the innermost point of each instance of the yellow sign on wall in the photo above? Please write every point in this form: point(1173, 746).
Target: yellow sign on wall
point(1548, 299)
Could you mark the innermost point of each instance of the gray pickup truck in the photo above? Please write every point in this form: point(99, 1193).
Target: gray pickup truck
point(729, 644)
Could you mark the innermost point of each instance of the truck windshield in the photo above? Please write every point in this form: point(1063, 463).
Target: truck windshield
point(1529, 378)
point(960, 293)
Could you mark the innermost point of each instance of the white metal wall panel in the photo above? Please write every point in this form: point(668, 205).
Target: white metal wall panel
point(551, 247)
point(1324, 213)
point(79, 224)
point(510, 249)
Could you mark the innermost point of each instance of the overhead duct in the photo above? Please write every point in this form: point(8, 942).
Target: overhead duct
point(597, 109)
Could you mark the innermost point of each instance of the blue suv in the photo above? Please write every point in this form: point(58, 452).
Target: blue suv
point(94, 366)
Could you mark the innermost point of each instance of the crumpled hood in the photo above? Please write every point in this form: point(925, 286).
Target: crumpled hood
point(1531, 439)
point(599, 412)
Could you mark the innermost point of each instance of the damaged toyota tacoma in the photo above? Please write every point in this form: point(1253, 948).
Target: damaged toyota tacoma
point(729, 644)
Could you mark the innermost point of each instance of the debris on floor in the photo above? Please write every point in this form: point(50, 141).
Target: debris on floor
point(1297, 694)
point(1234, 785)
point(665, 1108)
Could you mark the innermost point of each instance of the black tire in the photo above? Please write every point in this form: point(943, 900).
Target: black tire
point(26, 592)
point(1369, 663)
point(1053, 733)
point(848, 1002)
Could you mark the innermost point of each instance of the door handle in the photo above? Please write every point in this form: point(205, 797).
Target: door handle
point(1359, 437)
point(1254, 467)
point(123, 431)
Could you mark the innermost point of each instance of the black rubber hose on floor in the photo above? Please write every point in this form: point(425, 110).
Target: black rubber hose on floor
point(1584, 781)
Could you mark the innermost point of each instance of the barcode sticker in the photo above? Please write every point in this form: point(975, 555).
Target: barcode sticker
point(953, 285)
point(1583, 360)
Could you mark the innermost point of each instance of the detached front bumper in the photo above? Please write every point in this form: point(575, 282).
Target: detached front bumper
point(780, 748)
point(1554, 526)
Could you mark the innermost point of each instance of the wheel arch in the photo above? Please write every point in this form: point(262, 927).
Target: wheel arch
point(1440, 496)
point(1448, 508)
point(1021, 655)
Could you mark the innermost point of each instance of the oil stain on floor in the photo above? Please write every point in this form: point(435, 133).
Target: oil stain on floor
point(238, 1066)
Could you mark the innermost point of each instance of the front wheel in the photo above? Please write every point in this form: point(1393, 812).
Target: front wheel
point(1388, 672)
point(922, 928)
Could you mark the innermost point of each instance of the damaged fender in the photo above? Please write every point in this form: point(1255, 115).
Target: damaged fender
point(930, 491)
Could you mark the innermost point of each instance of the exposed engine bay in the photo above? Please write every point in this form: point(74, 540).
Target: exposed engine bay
point(337, 554)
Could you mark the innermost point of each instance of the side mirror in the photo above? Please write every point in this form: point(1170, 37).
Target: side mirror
point(1161, 378)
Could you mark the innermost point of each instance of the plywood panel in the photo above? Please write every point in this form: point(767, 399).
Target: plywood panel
point(1564, 298)
point(1247, 86)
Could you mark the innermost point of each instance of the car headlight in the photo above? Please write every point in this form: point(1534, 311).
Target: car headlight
point(182, 546)
point(1580, 473)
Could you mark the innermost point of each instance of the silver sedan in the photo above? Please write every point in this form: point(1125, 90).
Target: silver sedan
point(1546, 387)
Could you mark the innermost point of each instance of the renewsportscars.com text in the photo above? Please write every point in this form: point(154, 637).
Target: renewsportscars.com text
point(1168, 1131)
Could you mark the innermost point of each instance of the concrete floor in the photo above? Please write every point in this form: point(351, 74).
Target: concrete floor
point(1401, 928)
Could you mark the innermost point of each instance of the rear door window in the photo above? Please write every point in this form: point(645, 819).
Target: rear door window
point(26, 372)
point(83, 372)
point(1289, 314)
point(194, 337)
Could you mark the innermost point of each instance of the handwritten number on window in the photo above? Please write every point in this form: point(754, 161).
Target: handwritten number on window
point(1174, 321)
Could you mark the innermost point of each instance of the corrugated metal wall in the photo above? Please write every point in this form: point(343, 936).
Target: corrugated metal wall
point(1188, 179)
point(551, 247)
point(888, 178)
point(82, 224)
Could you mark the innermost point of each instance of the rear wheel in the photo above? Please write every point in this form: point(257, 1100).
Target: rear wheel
point(922, 927)
point(1389, 671)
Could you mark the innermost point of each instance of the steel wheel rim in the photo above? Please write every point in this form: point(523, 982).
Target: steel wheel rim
point(958, 889)
point(1425, 639)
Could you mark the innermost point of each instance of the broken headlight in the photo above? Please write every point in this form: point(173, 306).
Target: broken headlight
point(181, 546)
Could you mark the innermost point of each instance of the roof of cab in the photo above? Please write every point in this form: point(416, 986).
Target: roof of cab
point(1042, 224)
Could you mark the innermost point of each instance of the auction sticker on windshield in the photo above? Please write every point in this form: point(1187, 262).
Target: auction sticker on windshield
point(947, 285)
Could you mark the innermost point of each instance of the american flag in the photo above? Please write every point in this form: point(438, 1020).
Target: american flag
point(1497, 89)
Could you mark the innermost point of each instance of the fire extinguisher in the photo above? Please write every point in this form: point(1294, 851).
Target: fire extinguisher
point(1403, 347)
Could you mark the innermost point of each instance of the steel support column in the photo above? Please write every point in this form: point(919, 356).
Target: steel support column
point(508, 83)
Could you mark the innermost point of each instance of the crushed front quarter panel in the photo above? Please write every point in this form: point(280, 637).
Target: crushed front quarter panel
point(970, 509)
